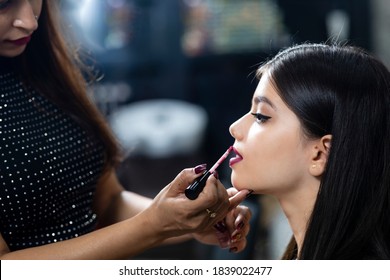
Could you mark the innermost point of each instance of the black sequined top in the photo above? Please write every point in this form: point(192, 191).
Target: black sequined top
point(49, 167)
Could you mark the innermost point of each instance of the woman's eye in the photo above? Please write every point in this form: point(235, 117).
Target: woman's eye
point(4, 4)
point(260, 118)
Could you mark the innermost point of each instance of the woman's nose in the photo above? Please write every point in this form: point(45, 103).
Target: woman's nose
point(234, 129)
point(25, 18)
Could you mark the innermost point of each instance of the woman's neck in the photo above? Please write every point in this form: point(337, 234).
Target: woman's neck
point(298, 205)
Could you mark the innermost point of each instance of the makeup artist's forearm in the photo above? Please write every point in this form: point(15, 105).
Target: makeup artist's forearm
point(124, 206)
point(139, 203)
point(119, 241)
point(129, 204)
point(177, 239)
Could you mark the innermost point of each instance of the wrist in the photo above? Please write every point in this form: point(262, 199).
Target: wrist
point(153, 225)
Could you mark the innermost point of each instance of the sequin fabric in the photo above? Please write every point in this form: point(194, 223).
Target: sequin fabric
point(48, 170)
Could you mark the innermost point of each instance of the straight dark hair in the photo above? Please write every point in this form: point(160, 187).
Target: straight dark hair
point(52, 66)
point(345, 92)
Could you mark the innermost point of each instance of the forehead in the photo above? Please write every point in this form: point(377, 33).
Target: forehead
point(266, 93)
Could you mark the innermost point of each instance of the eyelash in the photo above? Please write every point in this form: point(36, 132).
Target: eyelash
point(4, 4)
point(260, 118)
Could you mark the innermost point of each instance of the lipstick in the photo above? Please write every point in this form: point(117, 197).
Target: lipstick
point(193, 191)
point(235, 159)
point(21, 42)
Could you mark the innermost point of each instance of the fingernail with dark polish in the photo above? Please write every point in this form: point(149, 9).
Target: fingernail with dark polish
point(200, 168)
point(223, 238)
point(224, 242)
point(249, 194)
point(236, 237)
point(240, 225)
point(221, 227)
point(233, 250)
point(216, 175)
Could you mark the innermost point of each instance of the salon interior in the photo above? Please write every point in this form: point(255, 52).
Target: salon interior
point(174, 74)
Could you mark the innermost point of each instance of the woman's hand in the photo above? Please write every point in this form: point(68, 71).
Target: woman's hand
point(173, 214)
point(231, 231)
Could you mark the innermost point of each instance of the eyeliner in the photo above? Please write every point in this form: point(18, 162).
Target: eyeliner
point(193, 191)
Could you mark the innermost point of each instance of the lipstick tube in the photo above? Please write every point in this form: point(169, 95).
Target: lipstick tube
point(193, 190)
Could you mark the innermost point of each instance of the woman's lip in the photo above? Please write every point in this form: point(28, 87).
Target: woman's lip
point(235, 159)
point(21, 41)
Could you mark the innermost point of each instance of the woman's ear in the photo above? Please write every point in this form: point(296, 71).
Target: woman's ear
point(320, 152)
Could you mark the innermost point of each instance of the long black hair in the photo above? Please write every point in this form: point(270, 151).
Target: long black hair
point(53, 66)
point(343, 91)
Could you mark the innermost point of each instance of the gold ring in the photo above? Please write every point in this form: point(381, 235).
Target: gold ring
point(210, 213)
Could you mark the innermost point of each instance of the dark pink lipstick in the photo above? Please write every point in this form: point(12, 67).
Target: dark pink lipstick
point(193, 191)
point(235, 159)
point(21, 41)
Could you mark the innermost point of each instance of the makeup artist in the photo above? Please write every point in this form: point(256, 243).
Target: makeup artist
point(59, 195)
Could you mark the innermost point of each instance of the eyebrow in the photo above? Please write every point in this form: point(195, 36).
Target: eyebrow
point(263, 99)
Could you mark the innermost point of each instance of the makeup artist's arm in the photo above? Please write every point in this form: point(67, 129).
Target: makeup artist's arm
point(170, 214)
point(118, 205)
point(113, 203)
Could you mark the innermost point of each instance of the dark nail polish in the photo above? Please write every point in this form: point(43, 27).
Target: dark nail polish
point(223, 241)
point(233, 250)
point(216, 175)
point(249, 194)
point(236, 237)
point(200, 168)
point(240, 225)
point(221, 227)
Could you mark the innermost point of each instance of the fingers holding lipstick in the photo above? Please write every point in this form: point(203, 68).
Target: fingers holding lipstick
point(218, 199)
point(213, 201)
point(185, 178)
point(172, 211)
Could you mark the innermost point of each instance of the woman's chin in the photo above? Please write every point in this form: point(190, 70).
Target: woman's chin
point(11, 53)
point(237, 185)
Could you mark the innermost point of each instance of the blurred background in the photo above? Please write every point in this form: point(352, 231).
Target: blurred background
point(176, 73)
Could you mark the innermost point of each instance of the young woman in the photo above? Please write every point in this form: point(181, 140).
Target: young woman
point(317, 138)
point(59, 196)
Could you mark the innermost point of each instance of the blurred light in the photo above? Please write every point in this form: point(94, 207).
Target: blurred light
point(116, 3)
point(192, 3)
point(85, 16)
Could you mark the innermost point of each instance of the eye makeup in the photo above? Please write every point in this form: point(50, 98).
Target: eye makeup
point(260, 118)
point(193, 191)
point(4, 4)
